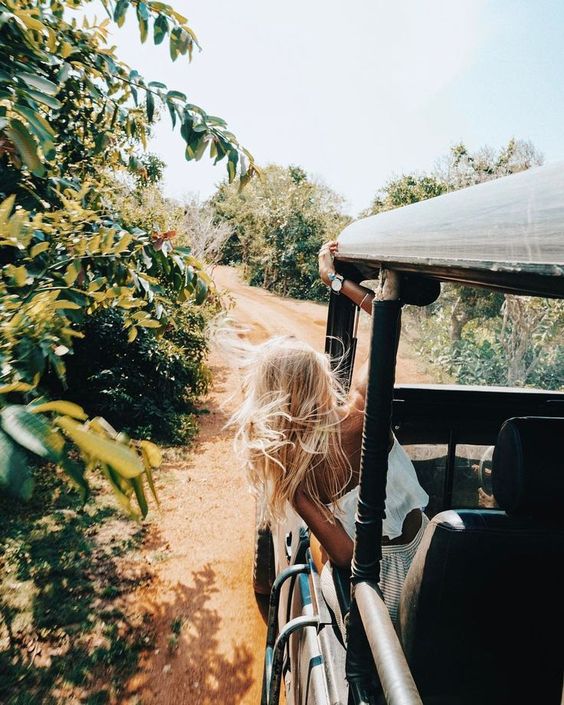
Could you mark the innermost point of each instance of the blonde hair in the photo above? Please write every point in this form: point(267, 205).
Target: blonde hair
point(289, 425)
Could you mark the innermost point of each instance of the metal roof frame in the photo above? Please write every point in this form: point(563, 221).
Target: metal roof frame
point(506, 234)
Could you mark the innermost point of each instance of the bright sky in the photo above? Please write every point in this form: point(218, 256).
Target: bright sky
point(358, 92)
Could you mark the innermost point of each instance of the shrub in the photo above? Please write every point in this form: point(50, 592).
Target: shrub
point(279, 223)
point(148, 387)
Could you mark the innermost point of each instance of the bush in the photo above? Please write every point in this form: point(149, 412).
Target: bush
point(148, 387)
point(71, 114)
point(278, 224)
point(519, 346)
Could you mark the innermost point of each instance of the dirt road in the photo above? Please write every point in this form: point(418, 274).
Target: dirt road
point(209, 630)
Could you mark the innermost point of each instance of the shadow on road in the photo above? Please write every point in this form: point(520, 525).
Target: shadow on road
point(191, 666)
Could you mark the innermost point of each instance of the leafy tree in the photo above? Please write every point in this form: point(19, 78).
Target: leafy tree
point(462, 168)
point(404, 190)
point(458, 169)
point(148, 387)
point(491, 338)
point(69, 105)
point(70, 114)
point(522, 346)
point(279, 223)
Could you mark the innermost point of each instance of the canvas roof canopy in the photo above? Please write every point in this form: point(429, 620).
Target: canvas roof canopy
point(506, 234)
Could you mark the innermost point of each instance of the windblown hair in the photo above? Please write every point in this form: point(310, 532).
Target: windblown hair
point(289, 425)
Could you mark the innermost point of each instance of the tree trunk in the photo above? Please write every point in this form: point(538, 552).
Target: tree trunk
point(458, 319)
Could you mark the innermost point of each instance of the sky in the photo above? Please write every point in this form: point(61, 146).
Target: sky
point(359, 92)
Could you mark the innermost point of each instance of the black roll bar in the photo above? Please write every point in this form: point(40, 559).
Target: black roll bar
point(340, 344)
point(371, 638)
point(376, 441)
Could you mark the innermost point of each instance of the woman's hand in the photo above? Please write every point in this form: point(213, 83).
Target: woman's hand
point(326, 267)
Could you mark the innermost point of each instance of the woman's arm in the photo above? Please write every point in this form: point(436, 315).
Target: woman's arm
point(359, 295)
point(334, 539)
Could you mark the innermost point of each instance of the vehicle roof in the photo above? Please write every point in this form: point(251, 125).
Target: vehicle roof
point(506, 234)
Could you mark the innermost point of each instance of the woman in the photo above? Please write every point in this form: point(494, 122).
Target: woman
point(301, 436)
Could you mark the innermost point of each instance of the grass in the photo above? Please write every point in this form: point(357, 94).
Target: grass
point(66, 634)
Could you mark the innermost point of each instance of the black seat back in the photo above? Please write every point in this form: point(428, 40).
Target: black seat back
point(482, 609)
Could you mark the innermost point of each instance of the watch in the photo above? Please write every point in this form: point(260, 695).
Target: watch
point(336, 282)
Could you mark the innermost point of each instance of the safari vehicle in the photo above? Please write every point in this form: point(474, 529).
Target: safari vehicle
point(482, 609)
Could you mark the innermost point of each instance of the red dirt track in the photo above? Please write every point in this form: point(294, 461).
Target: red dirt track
point(200, 545)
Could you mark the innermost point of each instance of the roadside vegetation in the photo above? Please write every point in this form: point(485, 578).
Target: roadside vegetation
point(81, 267)
point(103, 341)
point(68, 630)
point(469, 336)
point(278, 224)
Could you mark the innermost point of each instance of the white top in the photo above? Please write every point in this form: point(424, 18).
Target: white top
point(403, 494)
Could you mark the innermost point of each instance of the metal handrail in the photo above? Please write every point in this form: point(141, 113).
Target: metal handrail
point(393, 671)
point(272, 627)
point(278, 654)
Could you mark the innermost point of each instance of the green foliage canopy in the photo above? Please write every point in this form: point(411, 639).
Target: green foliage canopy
point(71, 113)
point(279, 222)
point(481, 337)
point(68, 104)
point(458, 169)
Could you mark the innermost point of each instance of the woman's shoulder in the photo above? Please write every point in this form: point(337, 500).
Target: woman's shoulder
point(352, 416)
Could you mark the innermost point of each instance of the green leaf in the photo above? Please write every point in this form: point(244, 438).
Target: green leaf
point(26, 146)
point(18, 274)
point(160, 29)
point(150, 106)
point(72, 272)
point(15, 475)
point(172, 110)
point(186, 129)
point(16, 387)
point(6, 208)
point(143, 20)
point(68, 408)
point(101, 141)
point(137, 483)
point(201, 291)
point(64, 72)
point(119, 490)
point(200, 149)
point(177, 95)
point(39, 83)
point(151, 454)
point(151, 482)
point(183, 40)
point(173, 47)
point(120, 11)
point(124, 460)
point(231, 170)
point(44, 98)
point(40, 126)
point(143, 10)
point(214, 120)
point(65, 305)
point(38, 249)
point(32, 432)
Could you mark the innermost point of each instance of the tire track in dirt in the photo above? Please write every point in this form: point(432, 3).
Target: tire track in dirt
point(209, 633)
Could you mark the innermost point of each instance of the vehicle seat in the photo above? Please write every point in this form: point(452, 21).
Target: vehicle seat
point(482, 608)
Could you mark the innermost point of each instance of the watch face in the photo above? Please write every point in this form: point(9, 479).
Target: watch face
point(337, 285)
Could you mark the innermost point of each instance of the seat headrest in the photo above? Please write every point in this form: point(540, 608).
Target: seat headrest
point(528, 466)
